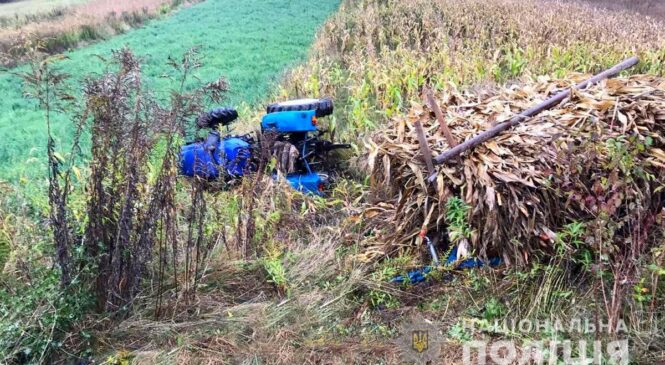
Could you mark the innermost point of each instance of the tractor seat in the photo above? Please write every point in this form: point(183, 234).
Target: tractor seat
point(216, 117)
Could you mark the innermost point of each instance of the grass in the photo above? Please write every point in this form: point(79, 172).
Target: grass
point(248, 42)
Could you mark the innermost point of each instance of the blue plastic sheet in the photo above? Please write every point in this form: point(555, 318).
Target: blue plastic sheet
point(420, 275)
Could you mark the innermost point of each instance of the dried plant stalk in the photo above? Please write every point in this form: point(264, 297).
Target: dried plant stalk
point(599, 154)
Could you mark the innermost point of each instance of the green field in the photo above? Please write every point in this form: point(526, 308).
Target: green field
point(249, 42)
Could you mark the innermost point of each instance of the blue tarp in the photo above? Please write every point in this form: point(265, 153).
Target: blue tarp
point(420, 275)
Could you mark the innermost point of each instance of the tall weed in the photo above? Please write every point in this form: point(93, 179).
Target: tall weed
point(115, 224)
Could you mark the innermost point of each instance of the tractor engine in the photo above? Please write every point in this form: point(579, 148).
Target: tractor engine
point(293, 129)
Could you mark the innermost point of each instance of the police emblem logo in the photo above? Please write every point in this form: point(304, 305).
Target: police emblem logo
point(419, 340)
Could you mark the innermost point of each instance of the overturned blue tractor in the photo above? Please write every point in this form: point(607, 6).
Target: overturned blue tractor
point(290, 132)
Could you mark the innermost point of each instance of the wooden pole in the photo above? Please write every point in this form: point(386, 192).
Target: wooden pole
point(424, 147)
point(443, 126)
point(547, 104)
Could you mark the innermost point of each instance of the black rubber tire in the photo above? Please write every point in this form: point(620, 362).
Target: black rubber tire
point(323, 107)
point(215, 117)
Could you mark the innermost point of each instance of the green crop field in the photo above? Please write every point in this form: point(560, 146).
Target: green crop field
point(249, 42)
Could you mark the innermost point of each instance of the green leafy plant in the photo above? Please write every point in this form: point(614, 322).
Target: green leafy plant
point(459, 332)
point(493, 310)
point(381, 299)
point(641, 292)
point(456, 217)
point(276, 272)
point(570, 241)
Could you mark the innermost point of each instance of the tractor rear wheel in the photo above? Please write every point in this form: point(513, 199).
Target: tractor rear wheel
point(323, 107)
point(215, 117)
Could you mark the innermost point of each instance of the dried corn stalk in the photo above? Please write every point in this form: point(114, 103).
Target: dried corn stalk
point(577, 162)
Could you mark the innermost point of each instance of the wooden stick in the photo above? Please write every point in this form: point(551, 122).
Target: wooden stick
point(443, 126)
point(547, 104)
point(424, 147)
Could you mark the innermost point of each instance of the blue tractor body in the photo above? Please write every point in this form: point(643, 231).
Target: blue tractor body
point(311, 183)
point(232, 157)
point(290, 122)
point(229, 156)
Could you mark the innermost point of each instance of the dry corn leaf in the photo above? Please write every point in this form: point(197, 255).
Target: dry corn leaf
point(520, 180)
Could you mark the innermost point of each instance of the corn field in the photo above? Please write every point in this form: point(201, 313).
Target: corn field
point(375, 56)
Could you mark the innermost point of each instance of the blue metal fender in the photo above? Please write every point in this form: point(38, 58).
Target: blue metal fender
point(290, 122)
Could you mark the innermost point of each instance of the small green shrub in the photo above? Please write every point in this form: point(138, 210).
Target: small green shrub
point(164, 9)
point(459, 332)
point(62, 42)
point(89, 33)
point(457, 219)
point(493, 310)
point(382, 300)
point(276, 272)
point(570, 241)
